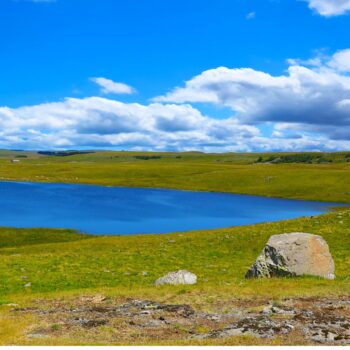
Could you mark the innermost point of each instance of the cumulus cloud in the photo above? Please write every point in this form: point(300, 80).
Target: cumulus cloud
point(97, 122)
point(329, 8)
point(341, 61)
point(315, 96)
point(100, 122)
point(109, 86)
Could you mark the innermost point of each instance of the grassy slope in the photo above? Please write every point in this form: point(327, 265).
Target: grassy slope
point(220, 258)
point(193, 171)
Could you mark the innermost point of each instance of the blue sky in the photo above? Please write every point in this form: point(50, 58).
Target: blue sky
point(112, 74)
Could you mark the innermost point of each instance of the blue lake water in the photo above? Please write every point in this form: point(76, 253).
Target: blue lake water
point(123, 210)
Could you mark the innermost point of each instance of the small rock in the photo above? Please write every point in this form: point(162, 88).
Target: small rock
point(276, 310)
point(215, 318)
point(177, 277)
point(37, 335)
point(234, 332)
point(145, 312)
point(331, 336)
point(98, 299)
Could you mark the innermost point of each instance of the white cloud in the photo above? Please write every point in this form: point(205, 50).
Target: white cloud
point(330, 8)
point(250, 15)
point(316, 97)
point(100, 122)
point(341, 61)
point(110, 87)
point(97, 122)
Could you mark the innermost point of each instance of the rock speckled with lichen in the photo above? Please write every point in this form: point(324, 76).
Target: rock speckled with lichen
point(294, 254)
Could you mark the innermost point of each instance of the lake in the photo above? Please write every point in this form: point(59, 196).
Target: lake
point(124, 210)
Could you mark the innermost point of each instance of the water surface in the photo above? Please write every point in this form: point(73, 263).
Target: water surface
point(123, 210)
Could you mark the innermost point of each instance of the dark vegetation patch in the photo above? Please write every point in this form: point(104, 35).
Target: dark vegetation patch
point(64, 153)
point(309, 158)
point(147, 157)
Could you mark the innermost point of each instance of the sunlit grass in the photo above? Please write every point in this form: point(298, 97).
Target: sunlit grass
point(220, 258)
point(237, 173)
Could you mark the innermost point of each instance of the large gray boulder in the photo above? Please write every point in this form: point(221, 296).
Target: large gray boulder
point(177, 277)
point(294, 254)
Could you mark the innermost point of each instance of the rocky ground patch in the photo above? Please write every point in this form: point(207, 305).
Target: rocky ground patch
point(99, 319)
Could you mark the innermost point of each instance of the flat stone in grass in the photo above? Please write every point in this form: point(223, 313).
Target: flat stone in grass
point(177, 277)
point(294, 254)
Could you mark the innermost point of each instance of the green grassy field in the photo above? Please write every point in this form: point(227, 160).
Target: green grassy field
point(236, 173)
point(60, 261)
point(56, 264)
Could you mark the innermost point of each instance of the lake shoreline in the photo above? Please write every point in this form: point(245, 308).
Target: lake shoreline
point(175, 189)
point(121, 210)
